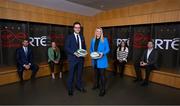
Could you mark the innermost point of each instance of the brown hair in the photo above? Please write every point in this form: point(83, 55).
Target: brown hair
point(124, 46)
point(56, 48)
point(76, 23)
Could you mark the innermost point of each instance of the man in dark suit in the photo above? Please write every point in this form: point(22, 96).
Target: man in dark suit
point(24, 61)
point(148, 61)
point(74, 42)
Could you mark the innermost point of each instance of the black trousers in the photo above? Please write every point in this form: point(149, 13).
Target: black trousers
point(75, 71)
point(121, 65)
point(52, 65)
point(148, 70)
point(33, 67)
point(99, 79)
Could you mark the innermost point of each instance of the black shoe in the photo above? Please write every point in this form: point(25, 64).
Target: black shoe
point(95, 87)
point(121, 75)
point(145, 83)
point(102, 93)
point(81, 89)
point(137, 80)
point(70, 93)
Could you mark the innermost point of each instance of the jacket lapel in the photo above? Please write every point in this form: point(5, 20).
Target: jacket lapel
point(23, 52)
point(74, 39)
point(151, 54)
point(93, 43)
point(28, 51)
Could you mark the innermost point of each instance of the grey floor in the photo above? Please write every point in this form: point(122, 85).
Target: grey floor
point(119, 91)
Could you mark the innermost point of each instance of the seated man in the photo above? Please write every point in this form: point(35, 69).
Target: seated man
point(148, 61)
point(24, 61)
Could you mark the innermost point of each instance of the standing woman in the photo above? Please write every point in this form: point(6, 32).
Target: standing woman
point(100, 45)
point(122, 54)
point(53, 58)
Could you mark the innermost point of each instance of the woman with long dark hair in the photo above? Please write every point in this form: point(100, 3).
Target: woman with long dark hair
point(121, 57)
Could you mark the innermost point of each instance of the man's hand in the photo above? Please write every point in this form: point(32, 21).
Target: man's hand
point(56, 62)
point(76, 54)
point(26, 67)
point(142, 63)
point(145, 64)
point(100, 55)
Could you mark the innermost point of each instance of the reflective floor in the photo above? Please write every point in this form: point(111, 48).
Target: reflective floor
point(119, 91)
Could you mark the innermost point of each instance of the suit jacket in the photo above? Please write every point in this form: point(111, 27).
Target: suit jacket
point(103, 47)
point(152, 59)
point(51, 54)
point(22, 58)
point(71, 46)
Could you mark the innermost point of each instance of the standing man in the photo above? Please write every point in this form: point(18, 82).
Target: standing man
point(148, 61)
point(24, 59)
point(74, 42)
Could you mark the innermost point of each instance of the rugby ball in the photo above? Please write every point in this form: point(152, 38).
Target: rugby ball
point(95, 55)
point(82, 52)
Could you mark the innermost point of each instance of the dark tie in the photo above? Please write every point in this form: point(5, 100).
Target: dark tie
point(26, 51)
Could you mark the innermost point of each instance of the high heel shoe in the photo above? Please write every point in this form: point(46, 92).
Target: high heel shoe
point(102, 93)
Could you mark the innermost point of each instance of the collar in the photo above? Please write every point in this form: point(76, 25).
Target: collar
point(25, 47)
point(75, 33)
point(150, 49)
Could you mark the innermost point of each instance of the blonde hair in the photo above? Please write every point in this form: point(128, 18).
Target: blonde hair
point(102, 36)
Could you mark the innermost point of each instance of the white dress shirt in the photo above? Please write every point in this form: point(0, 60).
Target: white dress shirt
point(25, 49)
point(148, 53)
point(79, 40)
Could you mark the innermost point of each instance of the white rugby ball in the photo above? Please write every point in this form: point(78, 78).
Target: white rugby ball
point(94, 54)
point(82, 52)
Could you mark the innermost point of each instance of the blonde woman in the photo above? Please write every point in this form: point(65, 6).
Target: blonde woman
point(100, 45)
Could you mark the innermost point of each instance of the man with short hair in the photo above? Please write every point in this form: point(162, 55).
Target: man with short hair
point(74, 42)
point(24, 59)
point(148, 61)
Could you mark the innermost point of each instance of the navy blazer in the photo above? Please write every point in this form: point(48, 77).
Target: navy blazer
point(71, 46)
point(153, 57)
point(22, 58)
